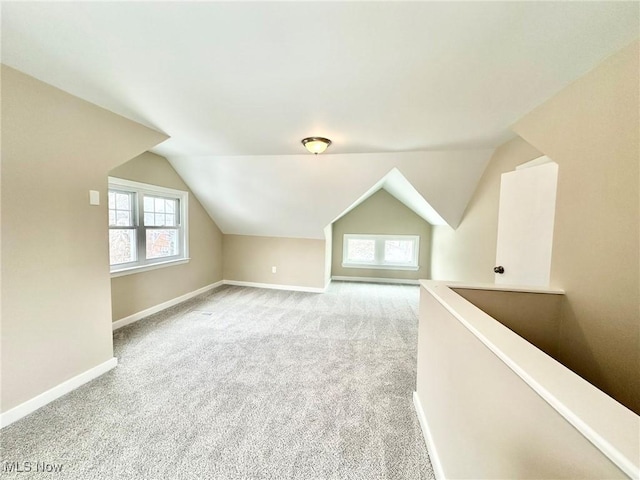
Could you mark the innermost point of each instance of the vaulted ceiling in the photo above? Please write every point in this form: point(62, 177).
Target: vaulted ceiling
point(237, 85)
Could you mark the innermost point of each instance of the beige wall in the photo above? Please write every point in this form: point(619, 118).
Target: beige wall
point(533, 316)
point(591, 129)
point(133, 293)
point(382, 214)
point(56, 305)
point(468, 253)
point(485, 420)
point(299, 262)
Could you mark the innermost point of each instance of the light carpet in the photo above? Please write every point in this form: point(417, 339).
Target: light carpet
point(244, 383)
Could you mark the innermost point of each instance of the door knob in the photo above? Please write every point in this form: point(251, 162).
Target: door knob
point(499, 269)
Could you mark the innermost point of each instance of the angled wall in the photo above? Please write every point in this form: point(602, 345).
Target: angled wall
point(468, 253)
point(591, 129)
point(56, 304)
point(297, 196)
point(131, 294)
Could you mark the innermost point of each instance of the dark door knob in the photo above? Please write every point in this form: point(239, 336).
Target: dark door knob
point(499, 269)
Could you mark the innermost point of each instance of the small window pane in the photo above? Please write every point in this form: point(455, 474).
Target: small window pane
point(159, 220)
point(112, 217)
point(170, 206)
point(122, 246)
point(148, 219)
point(148, 204)
point(159, 205)
point(123, 219)
point(361, 250)
point(170, 220)
point(398, 251)
point(123, 201)
point(162, 243)
point(112, 200)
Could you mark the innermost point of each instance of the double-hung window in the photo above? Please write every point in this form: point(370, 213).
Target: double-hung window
point(147, 226)
point(397, 252)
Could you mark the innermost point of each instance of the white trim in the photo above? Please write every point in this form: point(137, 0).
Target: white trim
point(627, 419)
point(273, 286)
point(140, 189)
point(169, 303)
point(428, 439)
point(146, 268)
point(402, 281)
point(504, 288)
point(39, 401)
point(369, 266)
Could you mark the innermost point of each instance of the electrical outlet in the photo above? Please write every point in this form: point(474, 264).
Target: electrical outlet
point(273, 269)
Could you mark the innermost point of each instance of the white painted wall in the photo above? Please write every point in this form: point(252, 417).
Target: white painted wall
point(297, 196)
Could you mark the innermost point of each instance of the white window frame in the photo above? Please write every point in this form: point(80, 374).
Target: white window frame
point(142, 264)
point(379, 261)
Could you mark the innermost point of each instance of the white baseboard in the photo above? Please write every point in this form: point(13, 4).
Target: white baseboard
point(39, 401)
point(403, 281)
point(157, 308)
point(293, 288)
point(170, 303)
point(428, 439)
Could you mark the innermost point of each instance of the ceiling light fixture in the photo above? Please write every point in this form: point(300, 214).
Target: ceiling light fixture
point(316, 145)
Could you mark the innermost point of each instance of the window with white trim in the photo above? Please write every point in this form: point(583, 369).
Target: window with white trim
point(397, 252)
point(147, 226)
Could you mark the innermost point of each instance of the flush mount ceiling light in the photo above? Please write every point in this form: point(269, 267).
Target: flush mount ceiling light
point(316, 145)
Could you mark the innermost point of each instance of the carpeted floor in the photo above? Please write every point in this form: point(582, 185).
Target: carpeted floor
point(245, 383)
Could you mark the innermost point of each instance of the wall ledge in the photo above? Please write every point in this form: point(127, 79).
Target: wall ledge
point(606, 423)
point(504, 288)
point(401, 281)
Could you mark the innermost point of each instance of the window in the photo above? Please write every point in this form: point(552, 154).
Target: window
point(147, 226)
point(398, 252)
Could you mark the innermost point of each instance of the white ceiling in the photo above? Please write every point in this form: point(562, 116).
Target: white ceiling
point(298, 195)
point(252, 79)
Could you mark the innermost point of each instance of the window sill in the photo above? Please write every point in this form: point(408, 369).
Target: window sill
point(145, 268)
point(380, 267)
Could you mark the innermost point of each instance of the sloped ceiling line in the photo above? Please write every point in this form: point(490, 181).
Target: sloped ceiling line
point(399, 187)
point(298, 195)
